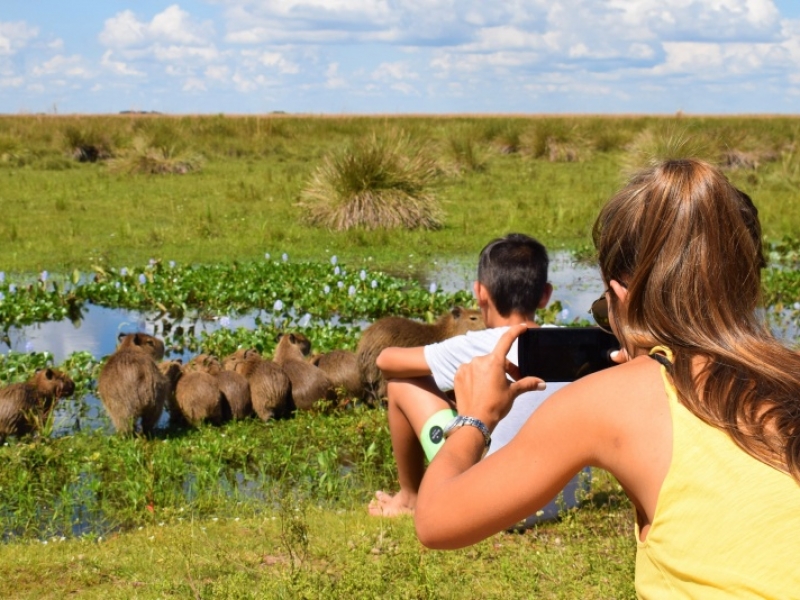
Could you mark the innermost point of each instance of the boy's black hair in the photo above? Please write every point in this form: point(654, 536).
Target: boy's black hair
point(514, 271)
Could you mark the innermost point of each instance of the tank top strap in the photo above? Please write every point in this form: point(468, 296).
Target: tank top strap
point(664, 355)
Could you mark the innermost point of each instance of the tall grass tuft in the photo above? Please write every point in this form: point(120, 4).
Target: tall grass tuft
point(663, 143)
point(146, 158)
point(556, 141)
point(465, 153)
point(378, 182)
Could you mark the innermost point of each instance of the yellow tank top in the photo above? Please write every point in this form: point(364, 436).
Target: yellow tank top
point(726, 525)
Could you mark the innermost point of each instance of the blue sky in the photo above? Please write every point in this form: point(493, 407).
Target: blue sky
point(392, 56)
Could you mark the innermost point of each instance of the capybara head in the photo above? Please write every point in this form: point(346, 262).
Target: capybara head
point(299, 340)
point(292, 346)
point(143, 342)
point(205, 363)
point(52, 384)
point(459, 320)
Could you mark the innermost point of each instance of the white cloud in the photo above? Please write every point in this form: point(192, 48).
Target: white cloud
point(14, 82)
point(118, 67)
point(172, 26)
point(332, 78)
point(277, 61)
point(60, 65)
point(394, 71)
point(15, 35)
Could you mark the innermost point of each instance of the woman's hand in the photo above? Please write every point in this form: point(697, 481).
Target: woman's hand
point(482, 389)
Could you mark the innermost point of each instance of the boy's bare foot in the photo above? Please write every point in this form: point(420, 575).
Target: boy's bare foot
point(386, 505)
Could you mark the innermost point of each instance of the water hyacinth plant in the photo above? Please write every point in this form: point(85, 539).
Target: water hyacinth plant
point(377, 182)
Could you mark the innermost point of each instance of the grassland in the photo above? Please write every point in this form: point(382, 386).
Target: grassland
point(249, 511)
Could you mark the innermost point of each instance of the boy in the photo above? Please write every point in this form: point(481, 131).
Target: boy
point(512, 284)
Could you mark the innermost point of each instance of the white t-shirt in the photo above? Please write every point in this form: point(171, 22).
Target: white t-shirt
point(445, 357)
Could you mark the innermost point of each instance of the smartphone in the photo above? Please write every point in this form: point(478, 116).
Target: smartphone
point(564, 353)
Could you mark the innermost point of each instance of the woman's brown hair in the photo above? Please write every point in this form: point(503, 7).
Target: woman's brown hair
point(687, 244)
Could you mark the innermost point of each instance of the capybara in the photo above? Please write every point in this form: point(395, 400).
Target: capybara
point(149, 344)
point(270, 387)
point(131, 385)
point(407, 333)
point(341, 367)
point(173, 369)
point(25, 406)
point(234, 387)
point(309, 383)
point(199, 398)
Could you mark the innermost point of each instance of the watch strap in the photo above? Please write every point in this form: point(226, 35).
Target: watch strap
point(462, 420)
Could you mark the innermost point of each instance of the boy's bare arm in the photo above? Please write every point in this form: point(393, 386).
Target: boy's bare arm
point(402, 363)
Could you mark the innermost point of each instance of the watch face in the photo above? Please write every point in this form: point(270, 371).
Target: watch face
point(436, 434)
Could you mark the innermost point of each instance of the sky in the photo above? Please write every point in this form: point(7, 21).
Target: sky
point(393, 56)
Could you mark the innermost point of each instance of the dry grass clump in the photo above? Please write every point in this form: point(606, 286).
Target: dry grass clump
point(377, 182)
point(145, 158)
point(555, 141)
point(667, 142)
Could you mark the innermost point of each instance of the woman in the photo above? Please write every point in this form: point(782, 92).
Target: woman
point(701, 426)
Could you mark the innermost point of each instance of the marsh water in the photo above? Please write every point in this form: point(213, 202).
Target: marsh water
point(576, 284)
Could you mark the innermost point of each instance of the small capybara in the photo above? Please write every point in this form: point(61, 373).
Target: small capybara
point(173, 369)
point(141, 341)
point(131, 385)
point(199, 398)
point(309, 383)
point(25, 406)
point(341, 367)
point(234, 387)
point(270, 387)
point(407, 333)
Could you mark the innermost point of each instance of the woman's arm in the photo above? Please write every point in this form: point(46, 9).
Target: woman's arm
point(463, 500)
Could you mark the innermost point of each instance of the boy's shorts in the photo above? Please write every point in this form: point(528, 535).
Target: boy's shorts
point(432, 435)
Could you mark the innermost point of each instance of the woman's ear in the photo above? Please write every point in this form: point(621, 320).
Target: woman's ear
point(620, 291)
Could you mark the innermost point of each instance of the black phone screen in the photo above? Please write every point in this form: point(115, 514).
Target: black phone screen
point(564, 353)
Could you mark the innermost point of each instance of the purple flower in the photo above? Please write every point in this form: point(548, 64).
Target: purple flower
point(152, 262)
point(351, 291)
point(374, 284)
point(304, 320)
point(12, 289)
point(2, 296)
point(43, 276)
point(340, 284)
point(363, 275)
point(172, 264)
point(334, 260)
point(225, 322)
point(327, 289)
point(142, 278)
point(123, 272)
point(2, 276)
point(29, 346)
point(337, 271)
point(433, 287)
point(278, 305)
point(266, 255)
point(284, 257)
point(116, 284)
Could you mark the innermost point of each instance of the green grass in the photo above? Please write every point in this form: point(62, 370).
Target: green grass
point(60, 214)
point(299, 550)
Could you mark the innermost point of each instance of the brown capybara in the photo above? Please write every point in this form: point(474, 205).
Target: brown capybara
point(407, 333)
point(131, 385)
point(148, 344)
point(25, 406)
point(199, 398)
point(270, 387)
point(341, 367)
point(173, 369)
point(234, 387)
point(309, 384)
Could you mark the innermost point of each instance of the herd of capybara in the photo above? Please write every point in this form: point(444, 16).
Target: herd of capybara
point(136, 384)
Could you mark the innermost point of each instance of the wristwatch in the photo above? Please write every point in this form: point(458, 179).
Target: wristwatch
point(461, 420)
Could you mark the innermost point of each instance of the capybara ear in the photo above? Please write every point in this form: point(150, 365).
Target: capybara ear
point(137, 339)
point(456, 311)
point(49, 374)
point(179, 361)
point(279, 336)
point(292, 338)
point(121, 335)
